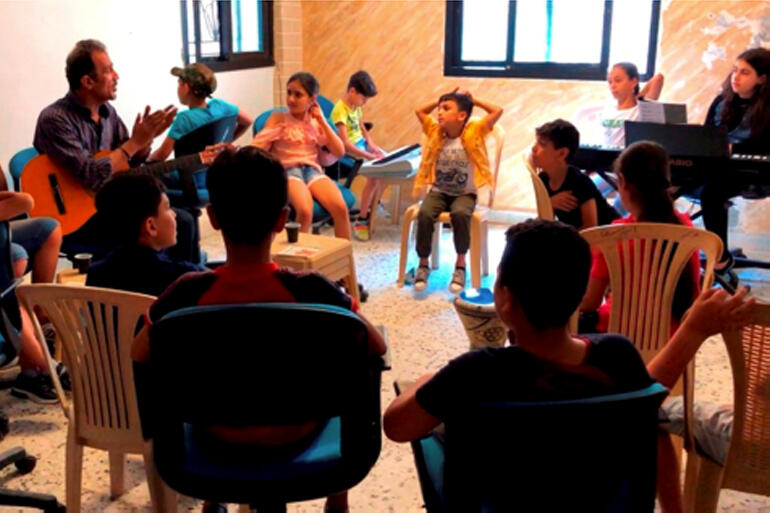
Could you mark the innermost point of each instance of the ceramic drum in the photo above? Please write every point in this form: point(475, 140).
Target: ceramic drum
point(476, 309)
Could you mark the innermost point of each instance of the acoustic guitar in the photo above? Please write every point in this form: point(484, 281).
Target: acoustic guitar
point(58, 193)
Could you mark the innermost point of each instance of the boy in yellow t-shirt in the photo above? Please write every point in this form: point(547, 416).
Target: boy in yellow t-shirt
point(347, 117)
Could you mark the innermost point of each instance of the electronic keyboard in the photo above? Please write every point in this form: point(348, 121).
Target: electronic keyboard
point(399, 163)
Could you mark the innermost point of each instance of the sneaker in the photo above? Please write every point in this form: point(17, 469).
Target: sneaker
point(409, 276)
point(37, 388)
point(458, 280)
point(49, 334)
point(363, 294)
point(64, 376)
point(726, 277)
point(382, 211)
point(728, 265)
point(361, 230)
point(421, 278)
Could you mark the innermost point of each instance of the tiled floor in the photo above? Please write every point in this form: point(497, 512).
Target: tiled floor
point(424, 334)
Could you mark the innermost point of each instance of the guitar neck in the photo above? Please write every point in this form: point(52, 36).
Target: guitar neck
point(166, 166)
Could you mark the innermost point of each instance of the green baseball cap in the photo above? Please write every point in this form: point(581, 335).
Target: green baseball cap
point(199, 77)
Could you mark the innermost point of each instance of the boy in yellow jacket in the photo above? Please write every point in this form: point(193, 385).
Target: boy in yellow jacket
point(454, 165)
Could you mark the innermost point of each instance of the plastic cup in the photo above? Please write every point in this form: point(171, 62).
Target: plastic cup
point(83, 262)
point(292, 231)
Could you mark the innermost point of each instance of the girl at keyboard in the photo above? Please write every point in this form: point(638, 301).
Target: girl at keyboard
point(623, 81)
point(743, 107)
point(297, 139)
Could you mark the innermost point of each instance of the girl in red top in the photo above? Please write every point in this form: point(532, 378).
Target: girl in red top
point(643, 183)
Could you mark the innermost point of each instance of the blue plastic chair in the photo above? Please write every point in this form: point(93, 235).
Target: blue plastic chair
point(320, 215)
point(347, 164)
point(596, 454)
point(187, 187)
point(326, 107)
point(261, 365)
point(192, 191)
point(17, 163)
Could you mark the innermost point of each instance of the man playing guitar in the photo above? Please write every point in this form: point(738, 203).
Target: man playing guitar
point(72, 129)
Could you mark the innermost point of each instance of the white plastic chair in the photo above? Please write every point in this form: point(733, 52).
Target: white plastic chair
point(95, 328)
point(479, 256)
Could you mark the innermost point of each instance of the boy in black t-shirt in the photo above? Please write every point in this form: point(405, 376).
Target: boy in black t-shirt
point(143, 225)
point(547, 362)
point(575, 199)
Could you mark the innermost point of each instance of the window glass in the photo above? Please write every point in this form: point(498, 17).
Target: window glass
point(559, 31)
point(485, 30)
point(247, 25)
point(630, 33)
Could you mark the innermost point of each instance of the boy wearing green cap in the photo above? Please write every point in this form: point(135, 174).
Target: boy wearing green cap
point(196, 84)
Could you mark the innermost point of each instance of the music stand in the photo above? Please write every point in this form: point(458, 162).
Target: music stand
point(682, 140)
point(659, 112)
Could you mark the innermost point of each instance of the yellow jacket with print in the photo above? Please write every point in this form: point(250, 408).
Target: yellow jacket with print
point(473, 142)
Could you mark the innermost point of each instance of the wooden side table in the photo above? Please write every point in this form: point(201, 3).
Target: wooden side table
point(70, 277)
point(330, 256)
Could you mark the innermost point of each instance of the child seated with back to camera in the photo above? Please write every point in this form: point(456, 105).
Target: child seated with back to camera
point(249, 204)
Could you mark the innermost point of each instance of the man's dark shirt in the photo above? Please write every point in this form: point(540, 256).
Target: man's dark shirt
point(138, 269)
point(66, 132)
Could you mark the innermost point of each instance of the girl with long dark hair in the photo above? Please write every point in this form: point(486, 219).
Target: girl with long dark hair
point(643, 183)
point(743, 107)
point(296, 138)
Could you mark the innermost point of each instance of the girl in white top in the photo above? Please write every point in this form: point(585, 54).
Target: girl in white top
point(623, 79)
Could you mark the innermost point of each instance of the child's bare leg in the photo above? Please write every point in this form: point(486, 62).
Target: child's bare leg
point(19, 266)
point(46, 258)
point(367, 195)
point(329, 196)
point(31, 356)
point(337, 503)
point(302, 201)
point(460, 262)
point(668, 489)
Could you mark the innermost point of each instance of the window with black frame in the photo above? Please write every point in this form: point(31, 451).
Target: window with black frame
point(562, 39)
point(228, 34)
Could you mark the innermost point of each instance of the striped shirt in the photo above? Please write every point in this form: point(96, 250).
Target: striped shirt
point(66, 132)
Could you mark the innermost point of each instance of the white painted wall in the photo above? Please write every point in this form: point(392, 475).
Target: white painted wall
point(143, 39)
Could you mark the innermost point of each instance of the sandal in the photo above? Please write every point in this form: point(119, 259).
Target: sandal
point(421, 279)
point(458, 280)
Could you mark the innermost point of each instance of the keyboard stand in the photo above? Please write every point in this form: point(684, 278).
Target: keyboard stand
point(744, 262)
